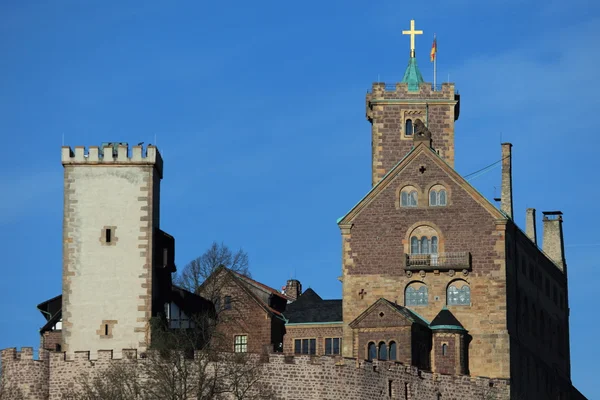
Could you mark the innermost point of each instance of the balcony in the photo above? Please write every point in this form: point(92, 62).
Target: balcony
point(438, 262)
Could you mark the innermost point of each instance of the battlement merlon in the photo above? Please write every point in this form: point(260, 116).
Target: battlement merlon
point(137, 156)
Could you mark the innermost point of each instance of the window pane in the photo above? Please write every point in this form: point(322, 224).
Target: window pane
point(452, 295)
point(372, 352)
point(410, 298)
point(404, 199)
point(313, 346)
point(424, 245)
point(336, 346)
point(408, 128)
point(393, 351)
point(442, 195)
point(414, 245)
point(416, 297)
point(422, 298)
point(382, 351)
point(297, 346)
point(444, 349)
point(434, 245)
point(413, 198)
point(327, 346)
point(432, 198)
point(304, 346)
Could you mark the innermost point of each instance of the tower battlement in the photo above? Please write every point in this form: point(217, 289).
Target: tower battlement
point(117, 154)
point(400, 90)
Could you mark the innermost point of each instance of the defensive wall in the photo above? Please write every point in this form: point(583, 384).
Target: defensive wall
point(286, 377)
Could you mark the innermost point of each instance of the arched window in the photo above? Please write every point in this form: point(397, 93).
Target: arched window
point(433, 198)
point(393, 351)
point(437, 196)
point(416, 295)
point(371, 351)
point(408, 197)
point(424, 240)
point(408, 131)
point(459, 294)
point(444, 349)
point(383, 351)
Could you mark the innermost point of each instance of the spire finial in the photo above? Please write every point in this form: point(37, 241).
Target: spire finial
point(412, 32)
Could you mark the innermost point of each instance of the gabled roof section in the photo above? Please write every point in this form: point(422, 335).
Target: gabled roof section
point(189, 302)
point(418, 149)
point(311, 308)
point(50, 307)
point(402, 311)
point(260, 286)
point(247, 285)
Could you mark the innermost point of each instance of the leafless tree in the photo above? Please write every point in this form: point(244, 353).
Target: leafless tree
point(198, 270)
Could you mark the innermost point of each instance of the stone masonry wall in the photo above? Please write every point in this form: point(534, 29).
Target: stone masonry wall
point(376, 239)
point(388, 110)
point(318, 332)
point(288, 377)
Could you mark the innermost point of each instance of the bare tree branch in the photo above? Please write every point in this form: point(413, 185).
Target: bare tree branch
point(198, 270)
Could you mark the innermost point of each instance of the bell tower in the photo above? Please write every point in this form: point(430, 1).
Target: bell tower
point(392, 110)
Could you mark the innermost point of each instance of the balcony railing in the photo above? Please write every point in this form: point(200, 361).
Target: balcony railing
point(441, 261)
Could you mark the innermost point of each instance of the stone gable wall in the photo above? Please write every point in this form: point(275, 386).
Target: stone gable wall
point(287, 377)
point(377, 239)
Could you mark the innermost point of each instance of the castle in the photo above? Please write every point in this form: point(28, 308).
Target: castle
point(443, 294)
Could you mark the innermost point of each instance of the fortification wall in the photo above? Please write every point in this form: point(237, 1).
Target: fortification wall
point(287, 377)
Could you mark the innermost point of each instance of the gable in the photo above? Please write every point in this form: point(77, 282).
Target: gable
point(382, 314)
point(408, 172)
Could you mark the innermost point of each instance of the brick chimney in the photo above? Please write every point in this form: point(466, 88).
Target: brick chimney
point(553, 238)
point(293, 289)
point(530, 229)
point(506, 198)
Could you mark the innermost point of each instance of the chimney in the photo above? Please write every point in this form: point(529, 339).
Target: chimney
point(530, 230)
point(506, 196)
point(293, 289)
point(553, 238)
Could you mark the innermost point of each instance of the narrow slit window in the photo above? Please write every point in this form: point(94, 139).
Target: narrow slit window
point(409, 127)
point(108, 234)
point(444, 349)
point(105, 329)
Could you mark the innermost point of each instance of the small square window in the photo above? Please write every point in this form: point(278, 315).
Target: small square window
point(241, 344)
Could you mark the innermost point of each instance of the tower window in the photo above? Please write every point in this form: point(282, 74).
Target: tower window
point(105, 329)
point(108, 234)
point(444, 349)
point(408, 128)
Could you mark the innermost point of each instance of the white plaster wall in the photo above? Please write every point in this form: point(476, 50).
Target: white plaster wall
point(107, 280)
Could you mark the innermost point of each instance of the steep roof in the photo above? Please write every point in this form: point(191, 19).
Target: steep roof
point(311, 308)
point(260, 286)
point(446, 320)
point(412, 75)
point(388, 178)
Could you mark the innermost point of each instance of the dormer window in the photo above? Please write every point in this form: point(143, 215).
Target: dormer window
point(408, 197)
point(438, 196)
point(409, 128)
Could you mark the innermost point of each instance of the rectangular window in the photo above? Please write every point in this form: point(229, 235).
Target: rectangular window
point(241, 344)
point(227, 305)
point(305, 346)
point(332, 346)
point(108, 235)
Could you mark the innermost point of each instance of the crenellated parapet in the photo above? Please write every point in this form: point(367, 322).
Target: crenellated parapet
point(315, 377)
point(117, 154)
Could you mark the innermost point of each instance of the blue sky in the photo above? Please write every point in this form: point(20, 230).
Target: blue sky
point(258, 110)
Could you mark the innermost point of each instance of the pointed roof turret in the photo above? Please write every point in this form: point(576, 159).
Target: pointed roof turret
point(445, 320)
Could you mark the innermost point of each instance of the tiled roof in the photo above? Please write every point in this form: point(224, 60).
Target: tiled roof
point(310, 307)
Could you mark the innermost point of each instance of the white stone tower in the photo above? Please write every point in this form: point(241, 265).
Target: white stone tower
point(110, 237)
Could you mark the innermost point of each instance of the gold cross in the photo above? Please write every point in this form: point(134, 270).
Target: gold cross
point(412, 34)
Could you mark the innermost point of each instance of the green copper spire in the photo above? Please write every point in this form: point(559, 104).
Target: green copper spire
point(412, 75)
